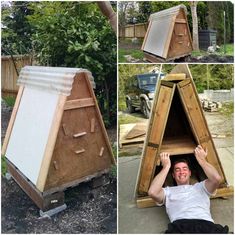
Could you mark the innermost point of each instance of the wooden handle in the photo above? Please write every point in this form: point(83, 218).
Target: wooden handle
point(55, 165)
point(65, 129)
point(92, 125)
point(80, 151)
point(79, 134)
point(101, 151)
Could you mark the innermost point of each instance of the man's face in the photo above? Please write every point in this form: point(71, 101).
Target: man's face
point(181, 173)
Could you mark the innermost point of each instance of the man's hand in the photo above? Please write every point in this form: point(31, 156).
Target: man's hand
point(213, 181)
point(165, 160)
point(200, 154)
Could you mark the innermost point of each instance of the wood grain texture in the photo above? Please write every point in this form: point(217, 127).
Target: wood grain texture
point(199, 125)
point(169, 37)
point(146, 35)
point(79, 157)
point(79, 103)
point(157, 127)
point(12, 120)
point(175, 77)
point(51, 144)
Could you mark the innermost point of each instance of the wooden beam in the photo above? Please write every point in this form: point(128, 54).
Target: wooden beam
point(46, 202)
point(80, 103)
point(12, 120)
point(145, 202)
point(169, 37)
point(175, 77)
point(181, 21)
point(92, 125)
point(41, 181)
point(79, 134)
point(79, 151)
point(146, 36)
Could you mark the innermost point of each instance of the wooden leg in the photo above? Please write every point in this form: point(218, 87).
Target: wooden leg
point(44, 202)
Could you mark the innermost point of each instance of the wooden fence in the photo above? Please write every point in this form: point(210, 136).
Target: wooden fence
point(133, 31)
point(9, 74)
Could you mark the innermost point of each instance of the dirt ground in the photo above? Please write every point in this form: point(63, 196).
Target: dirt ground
point(89, 210)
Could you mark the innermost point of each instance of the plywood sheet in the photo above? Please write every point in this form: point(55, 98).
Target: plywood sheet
point(157, 36)
point(138, 130)
point(126, 129)
point(31, 130)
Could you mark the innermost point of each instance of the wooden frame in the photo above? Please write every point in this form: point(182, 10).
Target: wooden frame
point(161, 136)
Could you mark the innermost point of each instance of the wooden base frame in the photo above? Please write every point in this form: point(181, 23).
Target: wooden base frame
point(156, 59)
point(50, 199)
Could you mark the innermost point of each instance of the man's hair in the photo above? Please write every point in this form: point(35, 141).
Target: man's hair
point(178, 160)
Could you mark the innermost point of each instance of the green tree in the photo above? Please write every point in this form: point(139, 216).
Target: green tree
point(215, 19)
point(69, 34)
point(16, 31)
point(145, 9)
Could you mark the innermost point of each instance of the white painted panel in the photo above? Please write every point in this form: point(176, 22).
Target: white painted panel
point(156, 40)
point(31, 130)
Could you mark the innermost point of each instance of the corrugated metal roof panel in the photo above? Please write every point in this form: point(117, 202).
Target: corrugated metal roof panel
point(168, 12)
point(53, 79)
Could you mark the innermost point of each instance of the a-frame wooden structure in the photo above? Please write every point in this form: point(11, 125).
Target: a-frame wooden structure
point(177, 125)
point(56, 137)
point(168, 36)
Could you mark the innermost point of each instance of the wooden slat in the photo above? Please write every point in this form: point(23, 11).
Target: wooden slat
point(198, 124)
point(51, 143)
point(79, 151)
point(92, 125)
point(175, 77)
point(145, 202)
point(65, 129)
point(80, 103)
point(157, 127)
point(181, 21)
point(12, 120)
point(168, 41)
point(146, 36)
point(79, 134)
point(176, 146)
point(224, 192)
point(101, 152)
point(56, 165)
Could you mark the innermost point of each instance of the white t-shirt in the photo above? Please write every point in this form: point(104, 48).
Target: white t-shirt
point(188, 202)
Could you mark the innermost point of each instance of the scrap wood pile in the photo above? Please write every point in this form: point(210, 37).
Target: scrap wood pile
point(210, 106)
point(132, 133)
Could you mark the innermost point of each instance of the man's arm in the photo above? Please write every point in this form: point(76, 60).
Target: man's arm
point(155, 191)
point(213, 181)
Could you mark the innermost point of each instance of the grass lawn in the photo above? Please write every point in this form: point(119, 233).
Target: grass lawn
point(3, 165)
point(227, 108)
point(10, 100)
point(130, 118)
point(135, 53)
point(229, 51)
